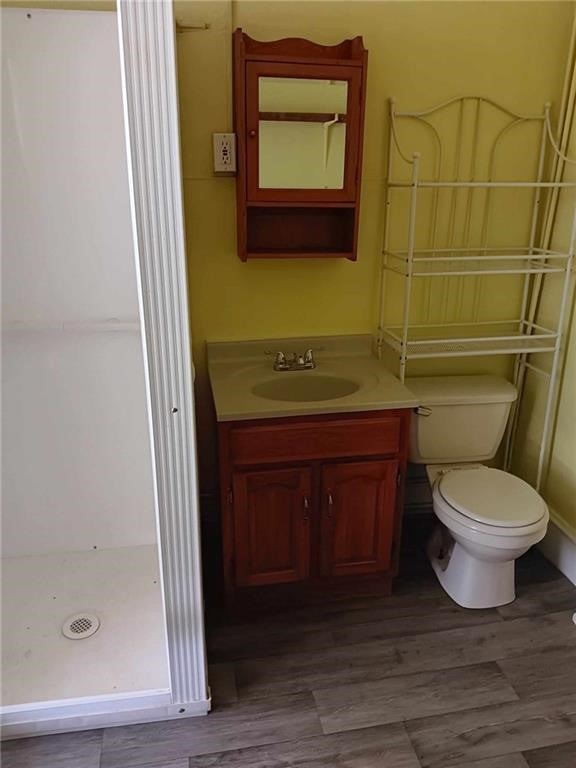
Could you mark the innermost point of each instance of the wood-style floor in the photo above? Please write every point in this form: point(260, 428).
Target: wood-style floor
point(408, 681)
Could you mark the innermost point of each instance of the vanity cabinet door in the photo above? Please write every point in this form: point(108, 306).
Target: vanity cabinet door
point(272, 511)
point(358, 513)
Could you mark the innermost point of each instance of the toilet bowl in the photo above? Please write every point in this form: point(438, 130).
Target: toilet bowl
point(488, 518)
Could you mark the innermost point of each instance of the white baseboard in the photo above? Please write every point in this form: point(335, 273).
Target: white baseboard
point(23, 721)
point(559, 546)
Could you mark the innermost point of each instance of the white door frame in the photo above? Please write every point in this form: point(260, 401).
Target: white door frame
point(150, 98)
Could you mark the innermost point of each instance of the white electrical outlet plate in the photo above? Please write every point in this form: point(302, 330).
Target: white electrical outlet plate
point(224, 145)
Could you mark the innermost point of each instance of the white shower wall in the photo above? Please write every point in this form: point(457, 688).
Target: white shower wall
point(77, 471)
point(78, 496)
point(77, 461)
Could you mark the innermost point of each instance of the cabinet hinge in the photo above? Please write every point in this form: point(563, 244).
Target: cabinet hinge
point(230, 496)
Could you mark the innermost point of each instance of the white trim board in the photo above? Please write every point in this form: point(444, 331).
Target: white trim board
point(559, 546)
point(107, 712)
point(150, 99)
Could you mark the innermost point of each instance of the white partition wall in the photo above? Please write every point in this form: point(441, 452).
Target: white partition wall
point(77, 471)
point(80, 522)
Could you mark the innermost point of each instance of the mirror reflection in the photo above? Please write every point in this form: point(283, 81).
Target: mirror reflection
point(302, 133)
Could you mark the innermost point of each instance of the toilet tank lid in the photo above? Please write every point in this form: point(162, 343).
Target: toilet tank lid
point(461, 390)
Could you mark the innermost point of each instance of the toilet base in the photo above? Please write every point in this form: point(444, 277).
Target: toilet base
point(470, 582)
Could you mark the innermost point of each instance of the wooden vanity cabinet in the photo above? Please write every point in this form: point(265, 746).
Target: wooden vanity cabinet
point(299, 123)
point(312, 500)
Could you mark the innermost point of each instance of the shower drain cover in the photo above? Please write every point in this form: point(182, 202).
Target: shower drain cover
point(80, 625)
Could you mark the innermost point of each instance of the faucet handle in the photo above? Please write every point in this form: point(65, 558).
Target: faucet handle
point(280, 356)
point(309, 354)
point(280, 362)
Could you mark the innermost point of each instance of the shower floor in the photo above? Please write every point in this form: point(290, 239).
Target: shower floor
point(126, 655)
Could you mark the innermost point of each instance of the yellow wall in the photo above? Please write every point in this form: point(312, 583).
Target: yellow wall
point(419, 52)
point(560, 485)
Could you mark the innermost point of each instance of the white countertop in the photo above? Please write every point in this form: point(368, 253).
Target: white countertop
point(236, 367)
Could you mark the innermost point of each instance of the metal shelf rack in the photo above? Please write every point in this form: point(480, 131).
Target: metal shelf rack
point(427, 341)
point(456, 261)
point(450, 247)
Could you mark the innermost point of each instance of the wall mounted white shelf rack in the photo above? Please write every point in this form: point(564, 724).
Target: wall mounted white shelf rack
point(443, 218)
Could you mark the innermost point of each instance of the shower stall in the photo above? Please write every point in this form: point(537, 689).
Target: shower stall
point(92, 633)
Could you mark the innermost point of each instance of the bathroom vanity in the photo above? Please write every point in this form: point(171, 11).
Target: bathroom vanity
point(311, 490)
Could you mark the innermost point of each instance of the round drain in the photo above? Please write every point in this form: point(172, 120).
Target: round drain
point(80, 625)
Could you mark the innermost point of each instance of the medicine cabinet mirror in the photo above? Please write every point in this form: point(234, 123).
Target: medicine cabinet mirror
point(301, 133)
point(299, 114)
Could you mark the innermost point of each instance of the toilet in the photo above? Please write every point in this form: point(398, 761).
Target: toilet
point(487, 517)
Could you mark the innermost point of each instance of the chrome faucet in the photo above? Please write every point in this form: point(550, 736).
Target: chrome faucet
point(297, 362)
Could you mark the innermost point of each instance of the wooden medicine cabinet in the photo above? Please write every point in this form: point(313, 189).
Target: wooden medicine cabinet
point(299, 121)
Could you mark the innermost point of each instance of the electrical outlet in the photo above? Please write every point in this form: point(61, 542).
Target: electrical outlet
point(224, 145)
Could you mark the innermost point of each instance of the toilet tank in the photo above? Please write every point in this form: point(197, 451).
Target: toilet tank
point(466, 421)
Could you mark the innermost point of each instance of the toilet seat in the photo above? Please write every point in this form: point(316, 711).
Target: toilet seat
point(499, 536)
point(491, 498)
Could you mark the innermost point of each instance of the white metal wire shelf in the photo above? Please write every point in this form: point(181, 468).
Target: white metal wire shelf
point(458, 341)
point(482, 184)
point(519, 252)
point(461, 262)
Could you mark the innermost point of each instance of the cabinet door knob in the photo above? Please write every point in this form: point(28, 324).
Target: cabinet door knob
point(306, 505)
point(252, 134)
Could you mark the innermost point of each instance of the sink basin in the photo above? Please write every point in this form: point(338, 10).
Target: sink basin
point(305, 388)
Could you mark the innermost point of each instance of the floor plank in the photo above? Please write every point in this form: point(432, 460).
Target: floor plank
point(427, 652)
point(557, 756)
point(536, 599)
point(533, 568)
point(504, 761)
point(297, 672)
point(180, 763)
point(426, 598)
point(489, 642)
point(383, 747)
point(63, 750)
point(411, 696)
point(229, 643)
point(235, 726)
point(448, 741)
point(222, 681)
point(542, 674)
point(439, 616)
